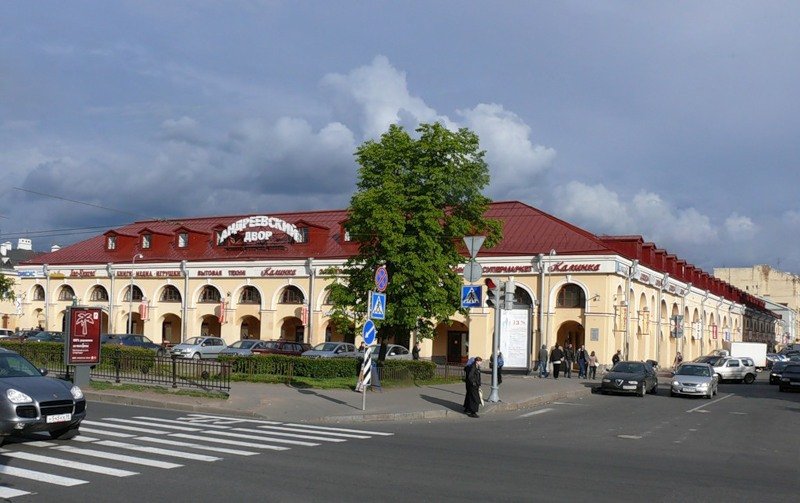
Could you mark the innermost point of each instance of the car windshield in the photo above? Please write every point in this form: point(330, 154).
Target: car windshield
point(791, 369)
point(693, 370)
point(326, 346)
point(243, 344)
point(193, 341)
point(13, 365)
point(628, 367)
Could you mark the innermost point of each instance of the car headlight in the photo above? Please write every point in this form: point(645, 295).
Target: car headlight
point(703, 385)
point(77, 394)
point(606, 380)
point(676, 383)
point(15, 396)
point(785, 379)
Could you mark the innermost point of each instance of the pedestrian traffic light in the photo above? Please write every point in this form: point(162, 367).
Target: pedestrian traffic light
point(494, 298)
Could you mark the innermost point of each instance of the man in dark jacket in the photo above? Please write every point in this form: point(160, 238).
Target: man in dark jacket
point(472, 401)
point(569, 360)
point(617, 357)
point(543, 359)
point(556, 355)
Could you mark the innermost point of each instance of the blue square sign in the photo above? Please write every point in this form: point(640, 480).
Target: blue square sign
point(377, 305)
point(471, 296)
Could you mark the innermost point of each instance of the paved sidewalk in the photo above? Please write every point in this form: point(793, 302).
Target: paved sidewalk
point(282, 402)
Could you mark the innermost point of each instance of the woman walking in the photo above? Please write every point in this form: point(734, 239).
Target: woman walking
point(592, 366)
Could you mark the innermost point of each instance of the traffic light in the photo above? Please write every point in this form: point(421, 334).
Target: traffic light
point(494, 297)
point(508, 294)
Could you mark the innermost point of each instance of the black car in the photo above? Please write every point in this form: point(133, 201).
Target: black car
point(775, 372)
point(790, 377)
point(130, 340)
point(710, 359)
point(630, 377)
point(46, 337)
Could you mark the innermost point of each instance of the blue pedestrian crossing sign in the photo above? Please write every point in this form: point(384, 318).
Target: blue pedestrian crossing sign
point(377, 305)
point(471, 296)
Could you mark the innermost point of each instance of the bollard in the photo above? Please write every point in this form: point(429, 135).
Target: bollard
point(116, 365)
point(174, 371)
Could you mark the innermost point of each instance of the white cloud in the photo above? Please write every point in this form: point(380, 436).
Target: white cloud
point(740, 228)
point(595, 207)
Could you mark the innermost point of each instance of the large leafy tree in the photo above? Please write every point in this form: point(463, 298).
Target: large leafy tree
point(417, 197)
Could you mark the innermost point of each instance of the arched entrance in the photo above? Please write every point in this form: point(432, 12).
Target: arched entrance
point(333, 334)
point(171, 329)
point(209, 326)
point(292, 329)
point(570, 332)
point(249, 328)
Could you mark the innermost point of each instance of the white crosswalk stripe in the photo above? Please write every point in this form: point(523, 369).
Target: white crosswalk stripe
point(187, 438)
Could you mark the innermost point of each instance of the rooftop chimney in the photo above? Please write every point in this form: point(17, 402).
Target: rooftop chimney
point(5, 248)
point(54, 248)
point(24, 244)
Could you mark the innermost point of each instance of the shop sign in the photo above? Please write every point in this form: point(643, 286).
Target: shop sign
point(270, 271)
point(501, 269)
point(564, 267)
point(82, 273)
point(260, 221)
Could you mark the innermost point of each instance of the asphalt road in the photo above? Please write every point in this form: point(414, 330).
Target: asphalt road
point(741, 446)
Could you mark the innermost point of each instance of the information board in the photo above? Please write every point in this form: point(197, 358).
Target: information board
point(83, 335)
point(515, 338)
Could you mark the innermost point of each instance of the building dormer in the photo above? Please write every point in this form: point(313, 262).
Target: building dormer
point(118, 242)
point(151, 239)
point(184, 238)
point(312, 235)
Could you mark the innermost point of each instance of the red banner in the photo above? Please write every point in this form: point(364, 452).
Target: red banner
point(144, 311)
point(221, 316)
point(83, 335)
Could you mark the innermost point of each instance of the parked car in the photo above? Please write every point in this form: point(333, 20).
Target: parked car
point(710, 359)
point(5, 333)
point(332, 350)
point(199, 347)
point(31, 402)
point(393, 352)
point(283, 347)
point(630, 377)
point(243, 347)
point(737, 369)
point(777, 370)
point(46, 337)
point(694, 379)
point(130, 340)
point(790, 377)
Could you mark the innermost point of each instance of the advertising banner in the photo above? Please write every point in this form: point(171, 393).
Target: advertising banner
point(515, 338)
point(83, 335)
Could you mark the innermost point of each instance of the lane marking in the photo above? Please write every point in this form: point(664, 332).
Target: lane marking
point(631, 437)
point(301, 430)
point(67, 463)
point(739, 413)
point(118, 457)
point(190, 445)
point(125, 427)
point(7, 492)
point(83, 438)
point(280, 434)
point(569, 403)
point(104, 432)
point(199, 418)
point(173, 421)
point(346, 430)
point(13, 471)
point(230, 442)
point(145, 423)
point(158, 450)
point(710, 403)
point(536, 412)
point(266, 438)
point(39, 443)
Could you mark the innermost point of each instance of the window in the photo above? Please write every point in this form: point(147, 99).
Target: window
point(66, 293)
point(111, 243)
point(38, 293)
point(210, 294)
point(137, 293)
point(327, 301)
point(99, 294)
point(303, 231)
point(347, 235)
point(571, 296)
point(292, 295)
point(183, 239)
point(250, 296)
point(170, 294)
point(146, 238)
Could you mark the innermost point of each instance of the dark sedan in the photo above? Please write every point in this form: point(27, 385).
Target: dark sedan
point(30, 402)
point(244, 347)
point(630, 377)
point(46, 337)
point(283, 347)
point(776, 371)
point(790, 377)
point(130, 340)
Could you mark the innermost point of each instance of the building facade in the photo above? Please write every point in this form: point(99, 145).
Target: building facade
point(265, 277)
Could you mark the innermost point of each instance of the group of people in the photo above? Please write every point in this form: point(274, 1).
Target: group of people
point(563, 359)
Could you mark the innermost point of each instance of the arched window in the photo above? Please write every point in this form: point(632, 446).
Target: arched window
point(250, 295)
point(137, 293)
point(66, 293)
point(170, 294)
point(210, 294)
point(571, 296)
point(327, 301)
point(38, 292)
point(99, 294)
point(291, 295)
point(521, 296)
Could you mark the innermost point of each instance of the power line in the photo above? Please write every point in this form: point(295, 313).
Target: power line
point(82, 202)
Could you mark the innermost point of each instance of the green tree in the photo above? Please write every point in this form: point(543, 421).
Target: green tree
point(415, 201)
point(6, 288)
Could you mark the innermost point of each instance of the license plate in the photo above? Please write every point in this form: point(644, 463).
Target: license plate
point(629, 387)
point(59, 418)
point(795, 383)
point(688, 390)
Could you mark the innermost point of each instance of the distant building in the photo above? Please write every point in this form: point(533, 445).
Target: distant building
point(10, 257)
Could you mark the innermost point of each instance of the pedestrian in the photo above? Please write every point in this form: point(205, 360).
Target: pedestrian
point(361, 347)
point(500, 363)
point(617, 357)
point(593, 366)
point(583, 357)
point(678, 360)
point(472, 400)
point(556, 355)
point(569, 359)
point(543, 359)
point(415, 351)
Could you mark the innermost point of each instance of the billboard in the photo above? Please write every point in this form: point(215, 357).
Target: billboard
point(515, 338)
point(83, 335)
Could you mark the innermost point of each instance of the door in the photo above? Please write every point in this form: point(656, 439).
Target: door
point(457, 347)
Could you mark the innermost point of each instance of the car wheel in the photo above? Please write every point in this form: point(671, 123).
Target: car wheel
point(64, 433)
point(710, 394)
point(719, 377)
point(749, 378)
point(196, 356)
point(654, 391)
point(672, 393)
point(643, 391)
point(161, 353)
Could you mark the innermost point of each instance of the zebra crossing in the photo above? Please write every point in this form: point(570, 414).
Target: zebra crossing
point(140, 443)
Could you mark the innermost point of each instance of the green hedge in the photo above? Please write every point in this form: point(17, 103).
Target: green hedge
point(51, 354)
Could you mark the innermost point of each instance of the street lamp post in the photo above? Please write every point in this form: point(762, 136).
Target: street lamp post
point(130, 294)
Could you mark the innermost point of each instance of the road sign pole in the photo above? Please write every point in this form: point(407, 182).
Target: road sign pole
point(494, 396)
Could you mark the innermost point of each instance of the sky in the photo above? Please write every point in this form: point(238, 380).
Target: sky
point(678, 121)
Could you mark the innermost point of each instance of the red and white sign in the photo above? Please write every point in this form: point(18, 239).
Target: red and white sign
point(144, 310)
point(304, 315)
point(221, 316)
point(83, 335)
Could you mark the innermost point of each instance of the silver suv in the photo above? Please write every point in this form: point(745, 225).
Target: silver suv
point(736, 369)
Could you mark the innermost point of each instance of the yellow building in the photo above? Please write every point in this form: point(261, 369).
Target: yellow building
point(264, 277)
